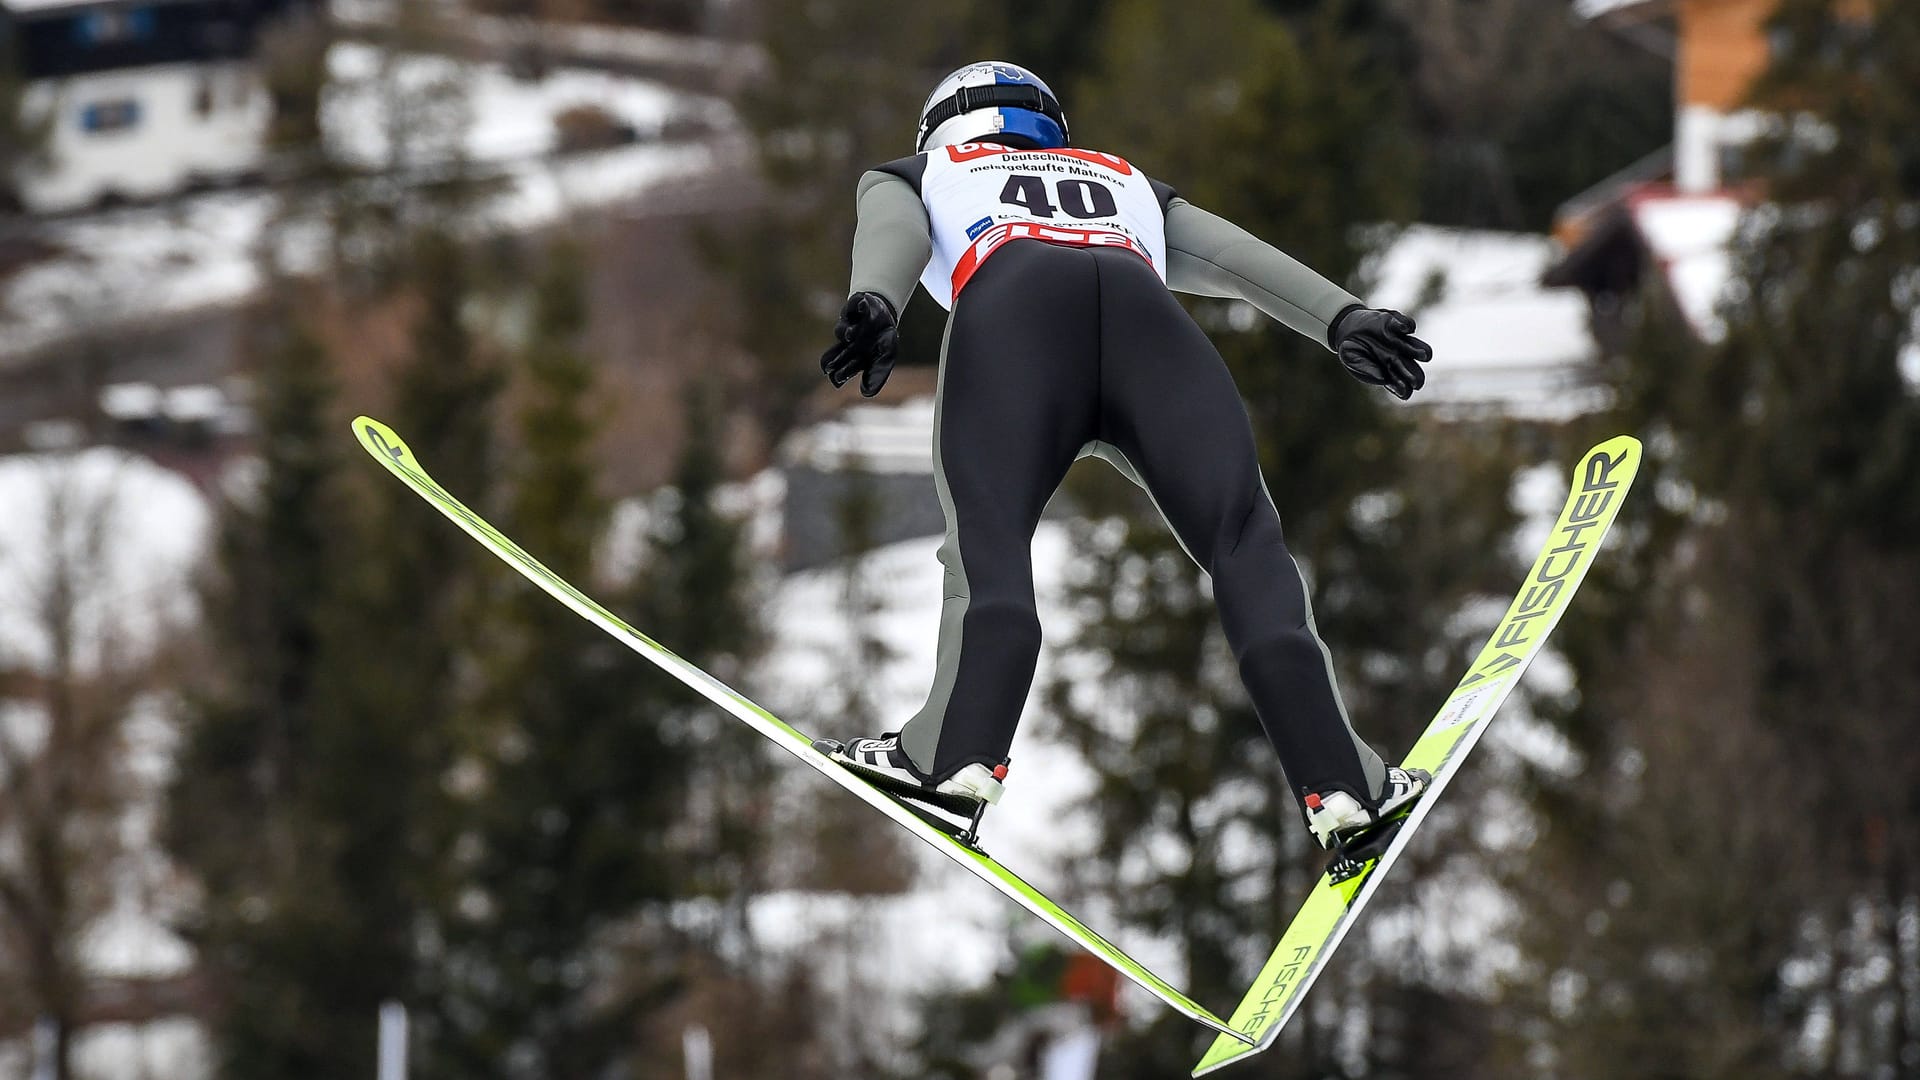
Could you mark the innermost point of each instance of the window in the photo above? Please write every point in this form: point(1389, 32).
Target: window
point(112, 27)
point(107, 116)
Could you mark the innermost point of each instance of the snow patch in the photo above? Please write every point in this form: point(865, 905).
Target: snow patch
point(876, 438)
point(131, 529)
point(511, 118)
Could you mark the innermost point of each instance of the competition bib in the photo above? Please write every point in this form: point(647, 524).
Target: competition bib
point(979, 196)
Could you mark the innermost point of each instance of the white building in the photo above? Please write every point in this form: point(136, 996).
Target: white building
point(143, 98)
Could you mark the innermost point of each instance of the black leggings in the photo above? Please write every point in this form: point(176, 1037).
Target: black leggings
point(1054, 349)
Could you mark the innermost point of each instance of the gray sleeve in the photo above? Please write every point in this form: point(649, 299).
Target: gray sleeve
point(892, 242)
point(1208, 255)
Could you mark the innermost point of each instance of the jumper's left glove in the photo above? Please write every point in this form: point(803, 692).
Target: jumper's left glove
point(1378, 347)
point(864, 343)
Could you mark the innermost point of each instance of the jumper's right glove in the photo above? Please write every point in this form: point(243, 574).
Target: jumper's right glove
point(864, 343)
point(1378, 347)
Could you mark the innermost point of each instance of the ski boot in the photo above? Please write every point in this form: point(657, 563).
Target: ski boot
point(1357, 833)
point(882, 763)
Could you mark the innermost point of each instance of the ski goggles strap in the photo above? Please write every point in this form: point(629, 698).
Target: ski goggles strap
point(1015, 95)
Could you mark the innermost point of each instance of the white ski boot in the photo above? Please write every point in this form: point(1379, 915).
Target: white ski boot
point(883, 762)
point(1337, 818)
point(966, 794)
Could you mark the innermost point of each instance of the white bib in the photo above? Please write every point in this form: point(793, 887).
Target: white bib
point(981, 195)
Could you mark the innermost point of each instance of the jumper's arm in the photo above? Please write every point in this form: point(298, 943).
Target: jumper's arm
point(1207, 255)
point(892, 241)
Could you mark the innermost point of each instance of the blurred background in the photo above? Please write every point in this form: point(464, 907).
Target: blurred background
point(295, 781)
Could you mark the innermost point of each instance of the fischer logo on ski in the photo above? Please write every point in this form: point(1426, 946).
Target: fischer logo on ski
point(1600, 483)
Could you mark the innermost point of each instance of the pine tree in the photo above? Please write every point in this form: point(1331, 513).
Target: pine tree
point(571, 787)
point(841, 95)
point(1516, 105)
point(692, 593)
point(242, 815)
point(695, 594)
point(383, 780)
point(1685, 925)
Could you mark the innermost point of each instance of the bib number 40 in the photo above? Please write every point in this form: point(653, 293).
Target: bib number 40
point(1079, 198)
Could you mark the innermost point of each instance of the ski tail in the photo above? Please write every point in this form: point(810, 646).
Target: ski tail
point(390, 450)
point(1600, 484)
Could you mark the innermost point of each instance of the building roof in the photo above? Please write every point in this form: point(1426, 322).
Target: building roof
point(1691, 239)
point(1687, 238)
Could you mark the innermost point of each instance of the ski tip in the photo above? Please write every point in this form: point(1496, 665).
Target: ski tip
point(379, 439)
point(1617, 450)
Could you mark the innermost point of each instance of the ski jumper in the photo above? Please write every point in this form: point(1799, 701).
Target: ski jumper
point(1065, 342)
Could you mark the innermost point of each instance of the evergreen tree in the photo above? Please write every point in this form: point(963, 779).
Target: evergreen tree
point(695, 594)
point(841, 94)
point(383, 780)
point(1056, 39)
point(1684, 925)
point(692, 594)
point(242, 811)
point(1516, 105)
point(570, 787)
point(308, 754)
point(344, 665)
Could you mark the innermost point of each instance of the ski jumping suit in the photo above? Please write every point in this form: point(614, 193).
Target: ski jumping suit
point(1064, 342)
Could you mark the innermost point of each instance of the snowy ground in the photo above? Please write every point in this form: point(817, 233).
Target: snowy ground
point(199, 252)
point(374, 93)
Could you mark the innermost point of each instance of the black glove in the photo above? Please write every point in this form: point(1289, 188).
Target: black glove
point(864, 343)
point(1378, 347)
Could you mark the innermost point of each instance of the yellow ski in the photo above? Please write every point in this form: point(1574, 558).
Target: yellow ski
point(1600, 484)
